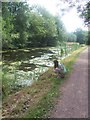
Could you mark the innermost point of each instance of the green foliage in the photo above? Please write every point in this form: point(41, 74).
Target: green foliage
point(61, 32)
point(88, 38)
point(72, 37)
point(47, 101)
point(86, 13)
point(24, 26)
point(81, 37)
point(7, 25)
point(14, 21)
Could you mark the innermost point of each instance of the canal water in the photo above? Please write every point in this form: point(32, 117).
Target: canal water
point(23, 67)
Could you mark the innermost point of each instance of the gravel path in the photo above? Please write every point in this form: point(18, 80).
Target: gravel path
point(73, 103)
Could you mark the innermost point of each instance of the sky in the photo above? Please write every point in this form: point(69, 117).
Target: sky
point(71, 19)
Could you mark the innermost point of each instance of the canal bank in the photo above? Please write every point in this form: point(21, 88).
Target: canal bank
point(21, 68)
point(37, 100)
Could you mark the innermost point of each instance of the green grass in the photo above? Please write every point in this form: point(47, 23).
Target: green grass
point(71, 60)
point(43, 94)
point(48, 100)
point(46, 103)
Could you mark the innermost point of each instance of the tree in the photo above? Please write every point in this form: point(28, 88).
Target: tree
point(36, 29)
point(24, 26)
point(72, 37)
point(80, 36)
point(85, 13)
point(7, 26)
point(88, 40)
point(20, 12)
point(14, 24)
point(42, 27)
point(61, 32)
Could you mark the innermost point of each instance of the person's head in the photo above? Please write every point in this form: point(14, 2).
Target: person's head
point(55, 63)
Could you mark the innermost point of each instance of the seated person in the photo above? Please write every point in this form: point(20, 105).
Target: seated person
point(60, 69)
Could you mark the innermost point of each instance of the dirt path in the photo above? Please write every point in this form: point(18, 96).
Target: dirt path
point(73, 103)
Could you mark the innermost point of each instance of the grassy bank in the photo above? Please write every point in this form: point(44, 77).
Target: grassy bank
point(37, 100)
point(48, 99)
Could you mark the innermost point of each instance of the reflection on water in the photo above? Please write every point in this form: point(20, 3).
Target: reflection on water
point(18, 55)
point(27, 66)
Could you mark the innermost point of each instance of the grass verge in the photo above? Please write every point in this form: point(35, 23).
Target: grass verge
point(48, 99)
point(36, 101)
